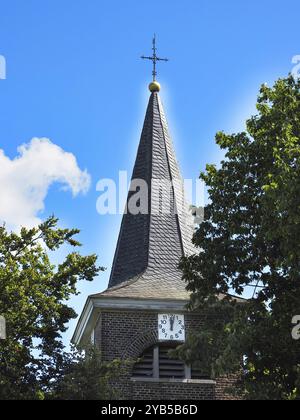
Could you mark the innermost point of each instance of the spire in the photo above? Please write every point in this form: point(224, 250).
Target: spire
point(150, 245)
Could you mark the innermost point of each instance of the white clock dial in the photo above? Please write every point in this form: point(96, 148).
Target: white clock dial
point(171, 327)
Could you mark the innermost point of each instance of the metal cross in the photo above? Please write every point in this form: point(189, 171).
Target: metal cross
point(154, 58)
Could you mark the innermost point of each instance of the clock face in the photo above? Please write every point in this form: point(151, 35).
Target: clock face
point(171, 327)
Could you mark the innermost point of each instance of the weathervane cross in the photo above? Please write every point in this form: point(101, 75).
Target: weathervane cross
point(154, 58)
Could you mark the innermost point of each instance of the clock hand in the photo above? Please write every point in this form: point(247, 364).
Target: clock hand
point(172, 320)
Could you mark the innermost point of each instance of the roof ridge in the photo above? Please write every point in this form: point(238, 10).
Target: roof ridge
point(170, 171)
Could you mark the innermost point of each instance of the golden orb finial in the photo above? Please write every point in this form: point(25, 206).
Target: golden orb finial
point(154, 86)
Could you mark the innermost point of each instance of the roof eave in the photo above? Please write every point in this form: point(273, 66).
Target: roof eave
point(94, 306)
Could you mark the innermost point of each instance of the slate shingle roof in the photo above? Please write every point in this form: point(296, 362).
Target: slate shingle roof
point(151, 245)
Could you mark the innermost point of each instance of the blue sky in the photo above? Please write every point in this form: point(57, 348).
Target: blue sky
point(75, 77)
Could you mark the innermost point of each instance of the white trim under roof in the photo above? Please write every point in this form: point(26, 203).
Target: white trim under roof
point(95, 305)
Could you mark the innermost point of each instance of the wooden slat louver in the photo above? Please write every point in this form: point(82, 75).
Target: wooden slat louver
point(197, 373)
point(170, 368)
point(156, 363)
point(144, 368)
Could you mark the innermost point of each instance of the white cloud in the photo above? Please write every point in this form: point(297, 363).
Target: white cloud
point(25, 180)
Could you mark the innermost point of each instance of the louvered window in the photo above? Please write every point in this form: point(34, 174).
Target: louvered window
point(144, 368)
point(157, 363)
point(197, 373)
point(169, 367)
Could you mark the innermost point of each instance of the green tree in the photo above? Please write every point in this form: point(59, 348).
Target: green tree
point(33, 299)
point(87, 377)
point(249, 245)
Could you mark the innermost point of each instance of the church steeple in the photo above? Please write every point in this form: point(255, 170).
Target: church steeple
point(143, 314)
point(150, 245)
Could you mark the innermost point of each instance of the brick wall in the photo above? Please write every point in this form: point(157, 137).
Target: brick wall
point(126, 334)
point(170, 391)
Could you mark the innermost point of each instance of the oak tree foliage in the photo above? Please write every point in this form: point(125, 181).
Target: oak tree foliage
point(34, 297)
point(248, 245)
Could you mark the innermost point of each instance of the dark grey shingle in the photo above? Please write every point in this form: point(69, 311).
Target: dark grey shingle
point(150, 246)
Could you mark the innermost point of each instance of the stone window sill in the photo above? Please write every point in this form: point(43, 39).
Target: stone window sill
point(175, 381)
